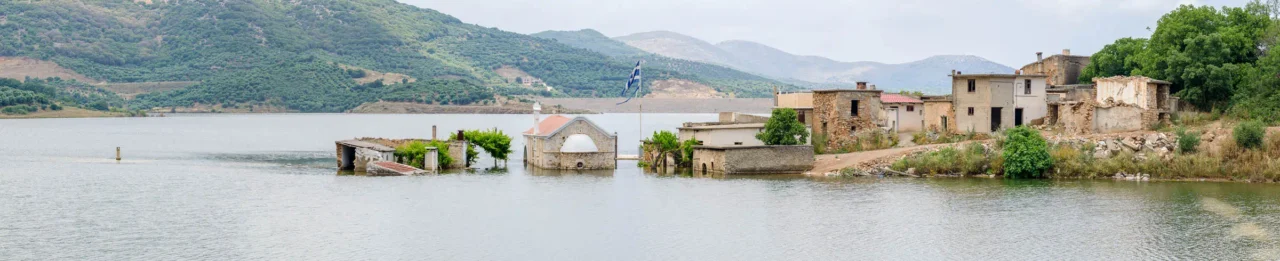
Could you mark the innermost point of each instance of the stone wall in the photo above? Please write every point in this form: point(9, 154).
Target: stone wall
point(589, 160)
point(753, 159)
point(1061, 69)
point(834, 116)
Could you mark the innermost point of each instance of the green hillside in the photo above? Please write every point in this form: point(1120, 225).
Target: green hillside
point(287, 53)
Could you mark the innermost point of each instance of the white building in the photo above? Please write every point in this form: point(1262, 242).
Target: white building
point(902, 113)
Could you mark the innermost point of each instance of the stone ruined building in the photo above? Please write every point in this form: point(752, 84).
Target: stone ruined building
point(986, 103)
point(1061, 69)
point(841, 114)
point(559, 142)
point(902, 113)
point(938, 114)
point(358, 155)
point(739, 160)
point(1114, 104)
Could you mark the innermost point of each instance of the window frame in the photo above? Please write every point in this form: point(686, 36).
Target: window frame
point(973, 85)
point(1028, 87)
point(970, 111)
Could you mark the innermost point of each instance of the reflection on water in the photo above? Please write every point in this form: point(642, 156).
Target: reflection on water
point(264, 187)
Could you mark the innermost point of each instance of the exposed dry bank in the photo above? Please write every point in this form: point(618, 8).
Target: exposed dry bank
point(1152, 155)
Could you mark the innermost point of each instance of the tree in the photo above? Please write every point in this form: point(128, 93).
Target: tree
point(665, 143)
point(783, 128)
point(1202, 50)
point(1119, 58)
point(1026, 154)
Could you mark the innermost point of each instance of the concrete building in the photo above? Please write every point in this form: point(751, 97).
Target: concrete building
point(1060, 69)
point(802, 102)
point(733, 129)
point(902, 113)
point(841, 114)
point(986, 103)
point(752, 159)
point(559, 142)
point(357, 155)
point(938, 114)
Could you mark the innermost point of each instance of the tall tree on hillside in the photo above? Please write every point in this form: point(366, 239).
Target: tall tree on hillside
point(1203, 51)
point(1119, 58)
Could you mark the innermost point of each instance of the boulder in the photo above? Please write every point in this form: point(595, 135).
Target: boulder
point(1101, 154)
point(1131, 144)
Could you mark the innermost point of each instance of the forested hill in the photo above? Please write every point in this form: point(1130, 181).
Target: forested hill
point(301, 54)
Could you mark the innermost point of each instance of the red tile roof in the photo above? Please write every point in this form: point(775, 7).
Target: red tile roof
point(549, 125)
point(894, 98)
point(397, 167)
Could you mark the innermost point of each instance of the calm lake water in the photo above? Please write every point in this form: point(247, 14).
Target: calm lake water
point(233, 187)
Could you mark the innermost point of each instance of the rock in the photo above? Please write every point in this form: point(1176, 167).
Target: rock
point(1162, 151)
point(1102, 145)
point(1208, 137)
point(1101, 154)
point(1114, 146)
point(1152, 141)
point(911, 171)
point(1132, 144)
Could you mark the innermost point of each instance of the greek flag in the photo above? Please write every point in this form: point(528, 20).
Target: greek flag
point(634, 80)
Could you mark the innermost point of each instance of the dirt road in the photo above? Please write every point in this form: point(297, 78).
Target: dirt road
point(835, 162)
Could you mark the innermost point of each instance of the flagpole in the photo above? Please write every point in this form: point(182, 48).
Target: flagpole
point(639, 89)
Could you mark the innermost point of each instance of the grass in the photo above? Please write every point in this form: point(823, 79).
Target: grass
point(1230, 162)
point(66, 112)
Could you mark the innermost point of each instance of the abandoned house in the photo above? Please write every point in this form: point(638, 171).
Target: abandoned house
point(938, 115)
point(559, 142)
point(1112, 104)
point(1059, 69)
point(902, 113)
point(802, 102)
point(732, 129)
point(359, 155)
point(986, 103)
point(841, 114)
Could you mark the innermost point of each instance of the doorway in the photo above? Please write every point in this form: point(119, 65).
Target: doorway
point(944, 124)
point(1017, 117)
point(995, 118)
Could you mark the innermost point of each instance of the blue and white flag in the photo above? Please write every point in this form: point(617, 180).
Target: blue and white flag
point(634, 80)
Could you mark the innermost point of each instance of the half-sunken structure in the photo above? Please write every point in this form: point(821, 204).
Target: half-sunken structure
point(560, 142)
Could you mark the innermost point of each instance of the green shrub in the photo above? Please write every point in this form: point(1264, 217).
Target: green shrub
point(55, 107)
point(18, 109)
point(686, 152)
point(819, 143)
point(1026, 154)
point(493, 141)
point(970, 160)
point(1187, 141)
point(1249, 134)
point(783, 128)
point(413, 153)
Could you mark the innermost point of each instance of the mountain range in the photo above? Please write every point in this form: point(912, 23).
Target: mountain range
point(335, 55)
point(928, 75)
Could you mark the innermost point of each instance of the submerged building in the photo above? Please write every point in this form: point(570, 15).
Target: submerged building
point(560, 142)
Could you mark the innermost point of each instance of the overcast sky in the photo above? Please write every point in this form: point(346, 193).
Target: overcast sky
point(892, 31)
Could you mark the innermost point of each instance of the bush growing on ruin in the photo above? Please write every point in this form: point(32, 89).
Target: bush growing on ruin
point(664, 143)
point(493, 141)
point(783, 128)
point(686, 152)
point(1249, 134)
point(1026, 154)
point(1187, 141)
point(414, 152)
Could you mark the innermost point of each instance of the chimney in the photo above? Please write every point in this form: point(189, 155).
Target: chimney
point(953, 72)
point(462, 136)
point(873, 87)
point(1039, 56)
point(1017, 72)
point(862, 85)
point(1066, 51)
point(433, 133)
point(537, 117)
point(959, 72)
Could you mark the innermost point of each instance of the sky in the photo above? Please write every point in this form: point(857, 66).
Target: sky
point(1009, 32)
